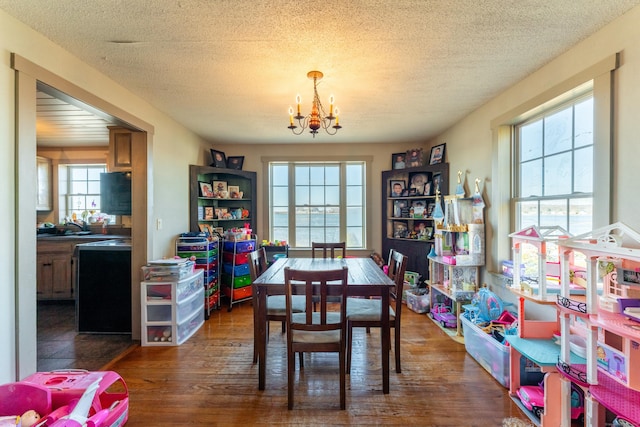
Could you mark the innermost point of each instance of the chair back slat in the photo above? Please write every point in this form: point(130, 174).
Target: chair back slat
point(397, 267)
point(257, 263)
point(329, 250)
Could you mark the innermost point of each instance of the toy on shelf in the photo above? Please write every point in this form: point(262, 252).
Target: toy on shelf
point(442, 314)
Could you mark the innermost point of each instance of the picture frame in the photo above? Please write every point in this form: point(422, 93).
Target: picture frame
point(235, 162)
point(427, 189)
point(396, 191)
point(628, 277)
point(206, 189)
point(208, 213)
point(415, 158)
point(400, 229)
point(234, 191)
point(219, 160)
point(398, 160)
point(418, 180)
point(435, 184)
point(419, 208)
point(437, 154)
point(430, 207)
point(220, 189)
point(400, 208)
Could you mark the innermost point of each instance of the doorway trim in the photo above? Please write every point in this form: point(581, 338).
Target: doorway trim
point(27, 76)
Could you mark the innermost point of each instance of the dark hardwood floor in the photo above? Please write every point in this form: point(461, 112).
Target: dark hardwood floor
point(211, 380)
point(61, 347)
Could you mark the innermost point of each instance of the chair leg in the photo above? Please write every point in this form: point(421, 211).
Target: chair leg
point(284, 326)
point(396, 333)
point(301, 360)
point(291, 360)
point(343, 381)
point(349, 349)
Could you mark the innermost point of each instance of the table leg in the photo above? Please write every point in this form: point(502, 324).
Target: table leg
point(260, 326)
point(386, 341)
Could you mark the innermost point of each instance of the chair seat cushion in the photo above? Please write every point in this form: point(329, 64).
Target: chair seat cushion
point(315, 336)
point(276, 304)
point(368, 310)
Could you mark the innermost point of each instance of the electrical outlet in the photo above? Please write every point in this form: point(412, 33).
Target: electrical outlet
point(159, 224)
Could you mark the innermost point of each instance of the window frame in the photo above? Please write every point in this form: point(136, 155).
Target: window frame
point(343, 162)
point(65, 209)
point(585, 92)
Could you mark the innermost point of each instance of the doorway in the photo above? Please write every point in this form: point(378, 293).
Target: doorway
point(28, 76)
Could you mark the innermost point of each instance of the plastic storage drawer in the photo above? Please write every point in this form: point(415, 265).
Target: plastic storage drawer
point(238, 281)
point(183, 288)
point(238, 270)
point(190, 325)
point(242, 246)
point(417, 300)
point(162, 273)
point(239, 293)
point(188, 307)
point(492, 355)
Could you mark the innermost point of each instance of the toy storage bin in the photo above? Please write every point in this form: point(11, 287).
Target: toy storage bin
point(190, 325)
point(237, 270)
point(238, 281)
point(242, 258)
point(492, 355)
point(242, 246)
point(239, 293)
point(418, 300)
point(167, 272)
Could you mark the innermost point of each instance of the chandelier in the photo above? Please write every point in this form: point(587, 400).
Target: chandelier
point(318, 118)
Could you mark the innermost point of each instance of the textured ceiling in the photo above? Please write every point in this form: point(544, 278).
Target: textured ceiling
point(401, 70)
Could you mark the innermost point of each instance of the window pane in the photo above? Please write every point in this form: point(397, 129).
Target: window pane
point(333, 216)
point(354, 196)
point(280, 217)
point(554, 212)
point(354, 216)
point(354, 174)
point(281, 234)
point(557, 174)
point(531, 179)
point(79, 187)
point(332, 234)
point(558, 132)
point(317, 195)
point(302, 195)
point(332, 195)
point(302, 216)
point(280, 196)
point(303, 237)
point(93, 174)
point(583, 170)
point(279, 175)
point(531, 141)
point(78, 174)
point(581, 216)
point(332, 175)
point(316, 175)
point(584, 123)
point(93, 187)
point(354, 235)
point(528, 214)
point(302, 175)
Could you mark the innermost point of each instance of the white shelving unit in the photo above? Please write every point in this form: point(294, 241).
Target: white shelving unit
point(172, 311)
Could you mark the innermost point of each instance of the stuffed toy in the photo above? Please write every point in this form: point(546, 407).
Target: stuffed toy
point(27, 419)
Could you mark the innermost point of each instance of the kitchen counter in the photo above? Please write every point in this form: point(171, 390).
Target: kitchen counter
point(82, 238)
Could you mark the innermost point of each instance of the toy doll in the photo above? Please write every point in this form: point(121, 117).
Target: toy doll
point(27, 419)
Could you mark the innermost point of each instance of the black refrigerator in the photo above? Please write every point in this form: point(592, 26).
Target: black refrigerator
point(103, 304)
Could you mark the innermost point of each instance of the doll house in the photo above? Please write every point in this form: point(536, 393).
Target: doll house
point(535, 251)
point(609, 332)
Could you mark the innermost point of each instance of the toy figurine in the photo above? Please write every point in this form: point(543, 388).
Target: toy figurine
point(27, 419)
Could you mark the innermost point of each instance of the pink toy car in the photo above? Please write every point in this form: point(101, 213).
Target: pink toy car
point(442, 314)
point(532, 397)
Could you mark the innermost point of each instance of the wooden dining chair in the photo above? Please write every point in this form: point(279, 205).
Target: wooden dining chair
point(367, 313)
point(330, 249)
point(275, 303)
point(316, 331)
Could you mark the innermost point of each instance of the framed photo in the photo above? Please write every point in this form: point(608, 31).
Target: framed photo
point(414, 158)
point(417, 181)
point(419, 208)
point(427, 189)
point(400, 209)
point(234, 191)
point(430, 207)
point(628, 277)
point(235, 162)
point(437, 180)
point(397, 187)
point(219, 159)
point(206, 190)
point(208, 212)
point(398, 160)
point(220, 189)
point(437, 154)
point(400, 229)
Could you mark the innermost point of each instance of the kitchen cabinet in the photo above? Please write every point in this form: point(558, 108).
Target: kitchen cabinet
point(119, 159)
point(54, 279)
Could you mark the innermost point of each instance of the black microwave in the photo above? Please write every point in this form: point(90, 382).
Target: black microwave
point(115, 193)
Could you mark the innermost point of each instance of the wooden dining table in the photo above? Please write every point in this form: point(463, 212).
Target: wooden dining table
point(365, 279)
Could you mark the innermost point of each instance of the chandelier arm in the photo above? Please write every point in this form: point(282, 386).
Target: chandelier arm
point(318, 117)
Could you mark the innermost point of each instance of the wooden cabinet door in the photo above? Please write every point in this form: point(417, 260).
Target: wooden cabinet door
point(61, 276)
point(44, 288)
point(120, 149)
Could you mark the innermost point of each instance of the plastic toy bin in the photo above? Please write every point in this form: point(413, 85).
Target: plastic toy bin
point(492, 355)
point(417, 300)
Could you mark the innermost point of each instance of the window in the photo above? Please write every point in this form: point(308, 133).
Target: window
point(317, 202)
point(554, 173)
point(80, 190)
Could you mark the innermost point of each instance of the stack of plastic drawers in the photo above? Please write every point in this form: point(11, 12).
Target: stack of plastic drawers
point(205, 252)
point(172, 298)
point(236, 279)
